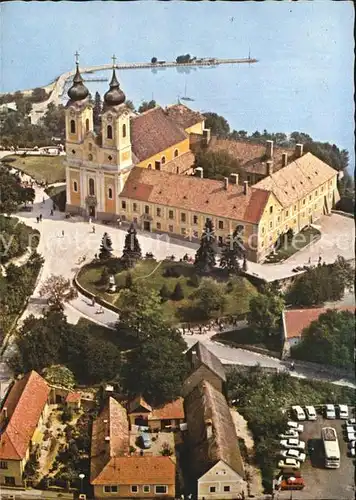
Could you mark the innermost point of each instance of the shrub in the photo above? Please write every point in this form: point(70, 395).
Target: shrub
point(194, 281)
point(164, 293)
point(67, 414)
point(178, 293)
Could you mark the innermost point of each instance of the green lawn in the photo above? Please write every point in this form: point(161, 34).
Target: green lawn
point(105, 334)
point(42, 168)
point(151, 273)
point(299, 241)
point(247, 336)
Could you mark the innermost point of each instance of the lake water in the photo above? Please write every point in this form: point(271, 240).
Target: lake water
point(303, 80)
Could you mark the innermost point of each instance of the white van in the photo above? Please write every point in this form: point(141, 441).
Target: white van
point(310, 412)
point(298, 412)
point(330, 412)
point(343, 412)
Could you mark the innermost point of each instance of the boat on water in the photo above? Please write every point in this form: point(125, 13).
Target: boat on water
point(185, 97)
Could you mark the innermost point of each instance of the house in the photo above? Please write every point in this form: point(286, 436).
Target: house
point(216, 463)
point(73, 400)
point(296, 320)
point(204, 365)
point(116, 471)
point(168, 416)
point(22, 416)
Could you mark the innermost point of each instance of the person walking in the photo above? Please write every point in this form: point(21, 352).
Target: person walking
point(93, 229)
point(51, 211)
point(37, 219)
point(43, 200)
point(62, 233)
point(89, 220)
point(40, 217)
point(93, 301)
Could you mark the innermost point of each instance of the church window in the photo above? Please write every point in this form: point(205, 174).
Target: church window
point(90, 157)
point(149, 166)
point(221, 224)
point(124, 130)
point(147, 209)
point(134, 207)
point(109, 132)
point(195, 219)
point(72, 127)
point(159, 213)
point(75, 186)
point(87, 124)
point(163, 160)
point(183, 217)
point(73, 151)
point(176, 152)
point(110, 193)
point(123, 205)
point(91, 187)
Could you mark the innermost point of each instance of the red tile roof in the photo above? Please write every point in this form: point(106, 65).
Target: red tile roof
point(24, 405)
point(173, 410)
point(199, 195)
point(153, 132)
point(183, 116)
point(73, 397)
point(296, 320)
point(138, 470)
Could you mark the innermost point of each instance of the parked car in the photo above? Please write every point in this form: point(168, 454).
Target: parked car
point(293, 443)
point(351, 436)
point(350, 428)
point(298, 412)
point(298, 455)
point(351, 445)
point(295, 426)
point(289, 463)
point(352, 453)
point(351, 421)
point(330, 411)
point(310, 412)
point(290, 433)
point(343, 412)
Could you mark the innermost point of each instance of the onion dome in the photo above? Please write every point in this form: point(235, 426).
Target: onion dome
point(115, 95)
point(78, 90)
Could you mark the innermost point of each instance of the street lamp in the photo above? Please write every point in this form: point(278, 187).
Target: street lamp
point(81, 477)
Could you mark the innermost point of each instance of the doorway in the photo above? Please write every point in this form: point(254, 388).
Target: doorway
point(146, 225)
point(91, 211)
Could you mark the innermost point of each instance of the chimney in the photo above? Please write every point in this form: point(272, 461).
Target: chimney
point(4, 412)
point(269, 149)
point(199, 172)
point(226, 183)
point(284, 159)
point(299, 150)
point(206, 136)
point(209, 428)
point(269, 167)
point(107, 438)
point(245, 187)
point(234, 178)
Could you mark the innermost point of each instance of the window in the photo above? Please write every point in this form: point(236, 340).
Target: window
point(195, 219)
point(161, 489)
point(322, 189)
point(157, 165)
point(304, 201)
point(158, 210)
point(87, 124)
point(75, 186)
point(73, 151)
point(158, 225)
point(149, 166)
point(212, 489)
point(3, 465)
point(170, 214)
point(90, 157)
point(263, 230)
point(287, 213)
point(278, 219)
point(226, 488)
point(183, 231)
point(124, 130)
point(271, 225)
point(72, 127)
point(123, 205)
point(114, 489)
point(109, 157)
point(170, 229)
point(91, 187)
point(107, 489)
point(110, 193)
point(147, 209)
point(111, 489)
point(270, 210)
point(183, 217)
point(134, 489)
point(146, 488)
point(163, 160)
point(109, 132)
point(9, 481)
point(316, 193)
point(310, 198)
point(221, 224)
point(176, 153)
point(134, 207)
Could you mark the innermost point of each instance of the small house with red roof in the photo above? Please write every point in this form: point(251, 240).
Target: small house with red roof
point(22, 415)
point(73, 400)
point(168, 416)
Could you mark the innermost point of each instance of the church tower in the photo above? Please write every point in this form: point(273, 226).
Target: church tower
point(115, 121)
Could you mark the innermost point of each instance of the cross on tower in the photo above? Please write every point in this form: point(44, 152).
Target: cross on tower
point(113, 60)
point(76, 57)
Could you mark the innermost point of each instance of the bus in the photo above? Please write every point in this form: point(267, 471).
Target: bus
point(331, 447)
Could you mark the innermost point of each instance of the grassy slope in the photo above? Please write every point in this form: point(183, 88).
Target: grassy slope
point(41, 168)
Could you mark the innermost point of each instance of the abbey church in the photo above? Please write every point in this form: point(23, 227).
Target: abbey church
point(139, 169)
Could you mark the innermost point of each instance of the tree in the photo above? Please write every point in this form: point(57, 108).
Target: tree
point(145, 106)
point(106, 249)
point(57, 290)
point(329, 153)
point(54, 121)
point(140, 311)
point(217, 124)
point(329, 340)
point(216, 164)
point(205, 255)
point(265, 314)
point(157, 368)
point(208, 299)
point(38, 95)
point(154, 60)
point(130, 105)
point(164, 293)
point(132, 250)
point(59, 375)
point(232, 250)
point(97, 109)
point(128, 281)
point(12, 192)
point(178, 293)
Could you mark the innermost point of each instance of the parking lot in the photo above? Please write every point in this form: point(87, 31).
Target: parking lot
point(322, 483)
